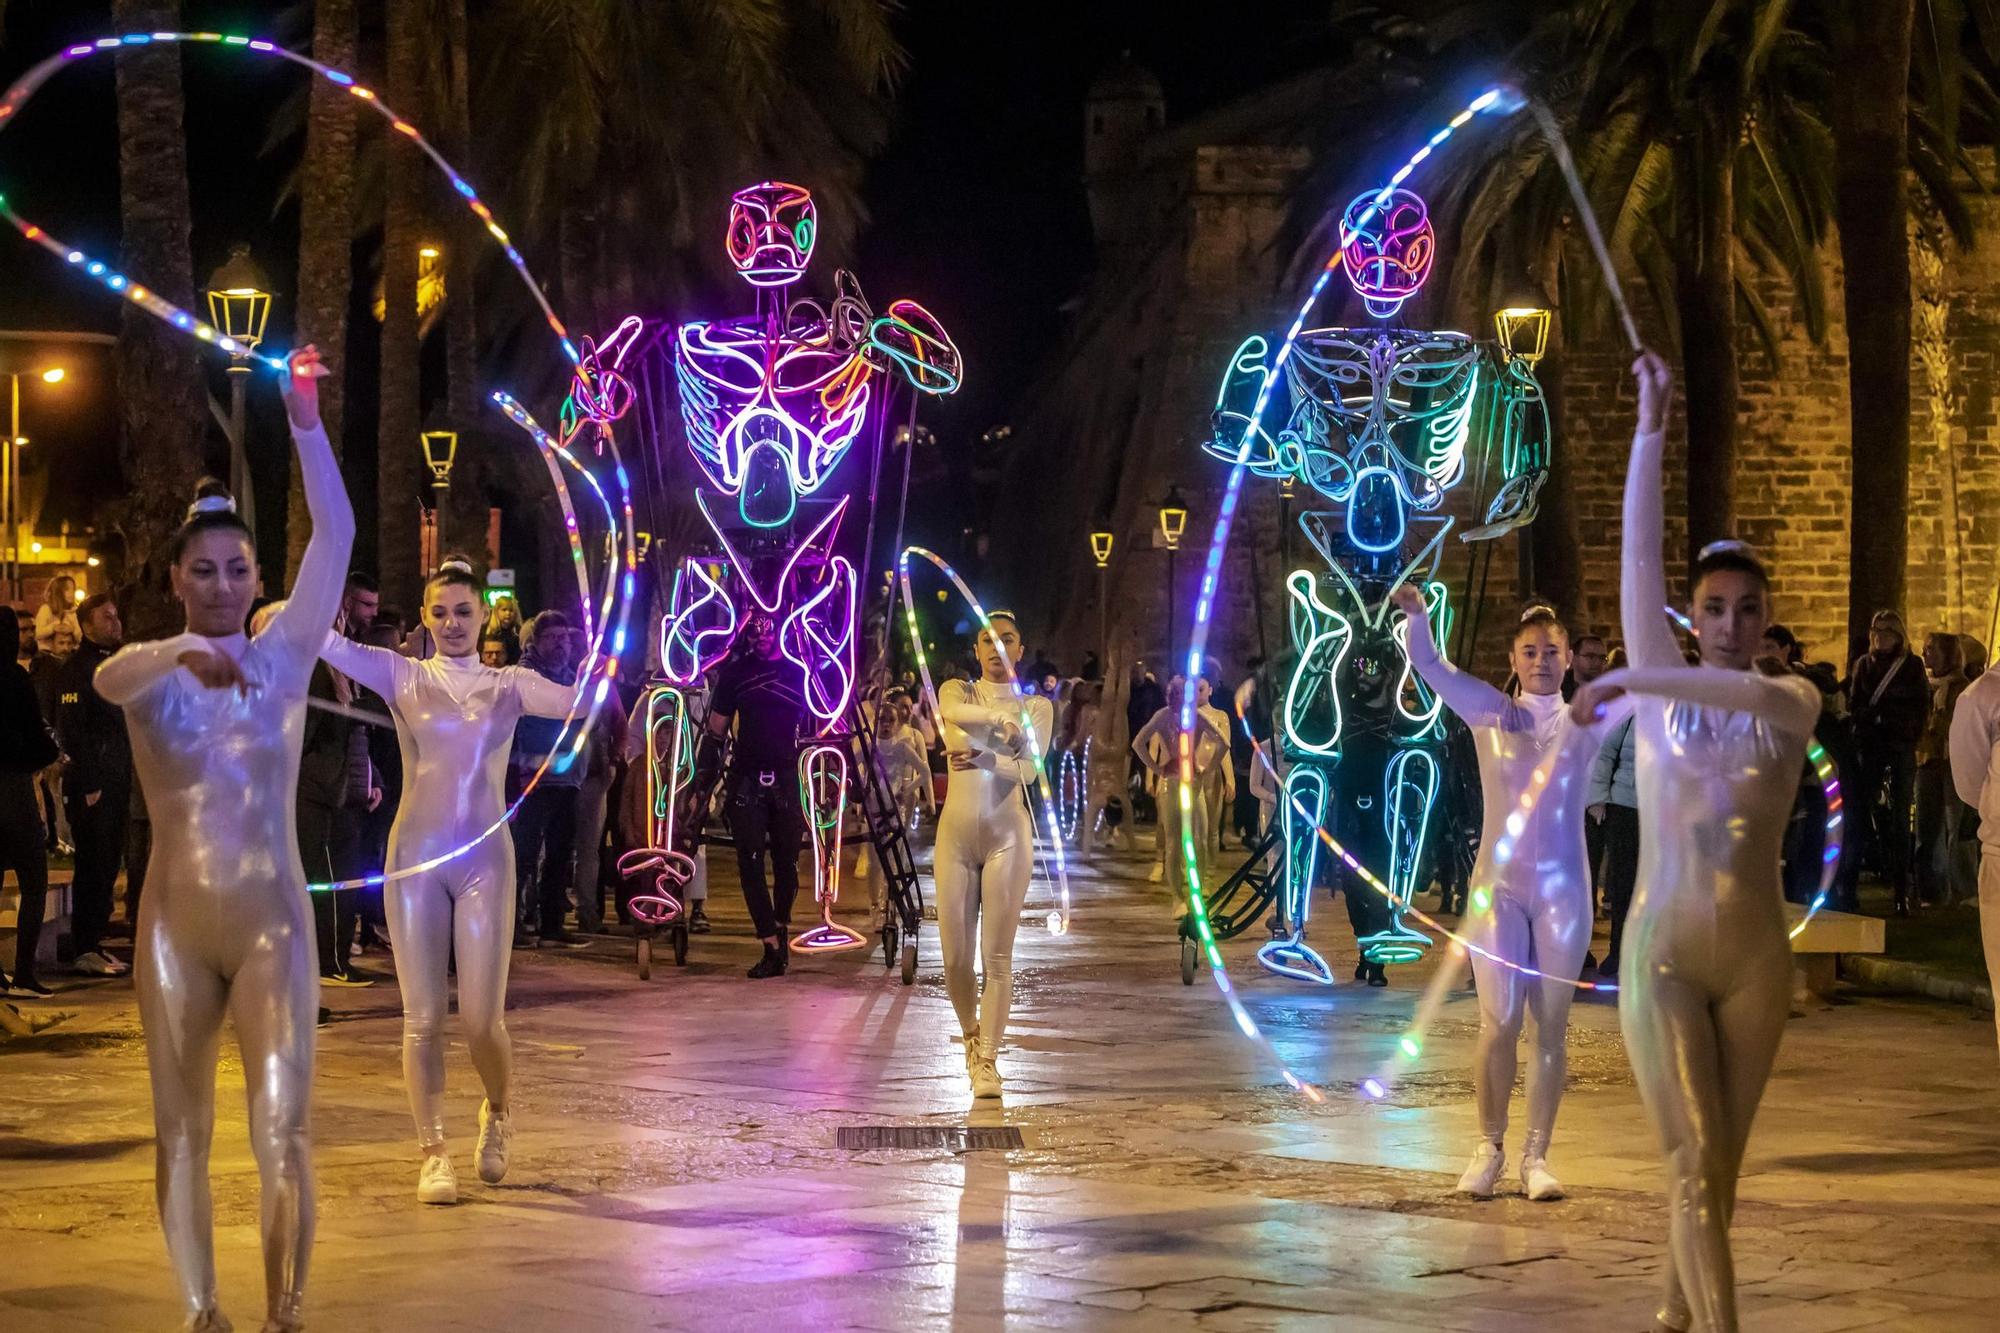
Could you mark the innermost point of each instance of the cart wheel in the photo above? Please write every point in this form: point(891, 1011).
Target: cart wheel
point(1187, 962)
point(891, 936)
point(645, 958)
point(909, 962)
point(680, 938)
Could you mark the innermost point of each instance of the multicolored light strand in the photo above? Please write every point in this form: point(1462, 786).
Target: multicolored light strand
point(823, 796)
point(1058, 920)
point(666, 774)
point(595, 408)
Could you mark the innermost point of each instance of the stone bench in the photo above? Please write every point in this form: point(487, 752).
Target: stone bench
point(1817, 948)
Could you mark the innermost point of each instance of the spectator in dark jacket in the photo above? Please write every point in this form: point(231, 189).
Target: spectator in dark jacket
point(97, 787)
point(26, 748)
point(1888, 702)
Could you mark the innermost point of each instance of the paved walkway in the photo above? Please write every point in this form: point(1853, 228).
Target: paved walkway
point(677, 1165)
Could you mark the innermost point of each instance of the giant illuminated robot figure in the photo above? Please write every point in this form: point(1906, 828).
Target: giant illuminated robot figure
point(770, 403)
point(1379, 423)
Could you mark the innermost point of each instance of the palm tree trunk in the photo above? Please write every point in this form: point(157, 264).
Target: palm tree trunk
point(462, 511)
point(1705, 296)
point(399, 475)
point(162, 416)
point(1871, 58)
point(326, 243)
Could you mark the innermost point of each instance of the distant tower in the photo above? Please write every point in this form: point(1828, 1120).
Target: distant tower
point(1124, 108)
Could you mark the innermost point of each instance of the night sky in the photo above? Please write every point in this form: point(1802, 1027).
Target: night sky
point(977, 205)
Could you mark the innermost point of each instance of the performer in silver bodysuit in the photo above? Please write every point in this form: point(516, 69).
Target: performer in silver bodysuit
point(1537, 912)
point(985, 841)
point(224, 925)
point(1704, 998)
point(455, 725)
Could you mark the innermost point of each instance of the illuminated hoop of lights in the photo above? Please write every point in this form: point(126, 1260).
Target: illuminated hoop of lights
point(1058, 920)
point(673, 868)
point(823, 775)
point(24, 89)
point(1502, 100)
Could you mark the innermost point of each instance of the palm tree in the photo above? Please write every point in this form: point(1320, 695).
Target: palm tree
point(462, 513)
point(399, 476)
point(326, 240)
point(160, 390)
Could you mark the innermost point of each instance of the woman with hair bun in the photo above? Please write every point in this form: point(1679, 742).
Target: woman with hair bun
point(455, 721)
point(1535, 908)
point(1708, 981)
point(216, 721)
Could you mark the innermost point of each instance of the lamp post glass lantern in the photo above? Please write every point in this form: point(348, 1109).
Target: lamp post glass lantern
point(239, 304)
point(1173, 522)
point(1100, 551)
point(440, 452)
point(10, 472)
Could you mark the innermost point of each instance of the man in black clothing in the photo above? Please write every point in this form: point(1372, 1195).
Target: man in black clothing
point(764, 694)
point(1888, 702)
point(26, 748)
point(97, 787)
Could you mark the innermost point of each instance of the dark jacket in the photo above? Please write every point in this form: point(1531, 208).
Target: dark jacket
point(323, 755)
point(26, 745)
point(92, 731)
point(1896, 719)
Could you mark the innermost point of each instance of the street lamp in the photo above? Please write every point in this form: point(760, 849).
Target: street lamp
point(1523, 331)
point(1173, 522)
point(440, 451)
point(239, 304)
point(10, 471)
point(1100, 551)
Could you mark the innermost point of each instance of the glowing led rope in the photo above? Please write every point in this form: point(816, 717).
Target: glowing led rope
point(24, 88)
point(598, 404)
point(823, 796)
point(665, 708)
point(1496, 98)
point(1058, 920)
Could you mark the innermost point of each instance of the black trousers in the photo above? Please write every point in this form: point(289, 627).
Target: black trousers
point(764, 815)
point(1621, 873)
point(1884, 829)
point(1593, 849)
point(100, 833)
point(545, 855)
point(330, 849)
point(23, 852)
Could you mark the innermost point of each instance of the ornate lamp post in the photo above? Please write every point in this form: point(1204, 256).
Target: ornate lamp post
point(239, 304)
point(1100, 551)
point(10, 470)
point(1173, 522)
point(440, 452)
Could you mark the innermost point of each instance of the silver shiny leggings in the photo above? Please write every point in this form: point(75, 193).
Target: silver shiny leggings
point(981, 869)
point(1703, 1032)
point(248, 955)
point(464, 908)
point(1553, 940)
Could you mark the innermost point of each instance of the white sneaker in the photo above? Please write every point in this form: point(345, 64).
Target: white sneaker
point(208, 1321)
point(985, 1078)
point(972, 1053)
point(438, 1183)
point(1483, 1174)
point(496, 1132)
point(1536, 1180)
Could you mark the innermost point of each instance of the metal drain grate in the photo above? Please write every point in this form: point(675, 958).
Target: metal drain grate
point(951, 1138)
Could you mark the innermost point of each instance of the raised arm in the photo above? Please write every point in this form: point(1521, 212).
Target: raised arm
point(540, 696)
point(1476, 703)
point(1643, 580)
point(298, 631)
point(1789, 703)
point(374, 668)
point(138, 667)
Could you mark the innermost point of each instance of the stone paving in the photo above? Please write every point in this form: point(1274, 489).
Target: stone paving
point(676, 1165)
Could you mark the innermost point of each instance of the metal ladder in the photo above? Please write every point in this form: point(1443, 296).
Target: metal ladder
point(903, 911)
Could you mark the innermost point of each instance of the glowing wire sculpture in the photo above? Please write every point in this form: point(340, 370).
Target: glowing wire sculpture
point(669, 768)
point(604, 405)
point(823, 796)
point(1058, 920)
